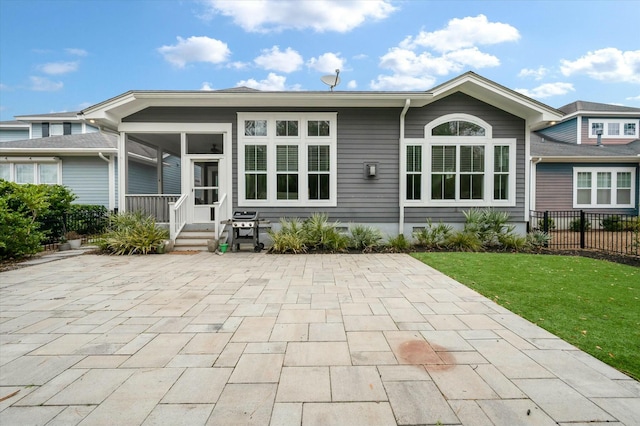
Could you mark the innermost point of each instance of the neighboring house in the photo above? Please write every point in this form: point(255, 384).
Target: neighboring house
point(590, 160)
point(62, 149)
point(384, 159)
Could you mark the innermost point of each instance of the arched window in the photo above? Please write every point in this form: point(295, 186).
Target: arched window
point(459, 163)
point(458, 128)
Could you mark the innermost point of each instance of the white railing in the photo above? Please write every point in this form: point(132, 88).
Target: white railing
point(155, 205)
point(177, 216)
point(220, 215)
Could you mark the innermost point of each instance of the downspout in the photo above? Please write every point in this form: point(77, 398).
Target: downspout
point(534, 184)
point(402, 181)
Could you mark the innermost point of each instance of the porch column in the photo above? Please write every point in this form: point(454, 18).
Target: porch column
point(159, 167)
point(122, 171)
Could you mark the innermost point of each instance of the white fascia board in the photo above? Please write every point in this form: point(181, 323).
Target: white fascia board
point(57, 151)
point(37, 118)
point(537, 113)
point(611, 114)
point(110, 112)
point(15, 125)
point(591, 159)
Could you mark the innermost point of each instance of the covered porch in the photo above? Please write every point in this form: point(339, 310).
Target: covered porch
point(178, 173)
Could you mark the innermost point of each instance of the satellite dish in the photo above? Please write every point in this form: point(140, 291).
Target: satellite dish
point(331, 80)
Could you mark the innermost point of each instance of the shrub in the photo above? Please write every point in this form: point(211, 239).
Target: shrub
point(632, 224)
point(319, 234)
point(538, 239)
point(612, 223)
point(464, 241)
point(365, 238)
point(19, 234)
point(289, 238)
point(433, 236)
point(551, 224)
point(132, 233)
point(574, 225)
point(513, 242)
point(21, 207)
point(489, 226)
point(398, 244)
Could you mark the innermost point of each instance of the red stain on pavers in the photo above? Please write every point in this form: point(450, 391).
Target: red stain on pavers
point(420, 352)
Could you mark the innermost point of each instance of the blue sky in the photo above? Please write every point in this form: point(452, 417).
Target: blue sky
point(66, 55)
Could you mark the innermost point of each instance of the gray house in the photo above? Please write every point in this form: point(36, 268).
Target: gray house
point(385, 159)
point(61, 149)
point(590, 160)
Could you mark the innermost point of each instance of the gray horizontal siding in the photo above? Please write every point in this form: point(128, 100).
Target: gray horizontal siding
point(171, 175)
point(366, 135)
point(142, 178)
point(504, 125)
point(563, 132)
point(76, 128)
point(7, 135)
point(36, 130)
point(87, 178)
point(554, 187)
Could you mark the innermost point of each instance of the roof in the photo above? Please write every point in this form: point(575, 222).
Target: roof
point(110, 113)
point(14, 124)
point(80, 143)
point(59, 115)
point(548, 148)
point(597, 109)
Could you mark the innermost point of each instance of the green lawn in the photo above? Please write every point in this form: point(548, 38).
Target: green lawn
point(592, 304)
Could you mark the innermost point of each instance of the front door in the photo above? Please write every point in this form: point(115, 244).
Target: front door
point(205, 189)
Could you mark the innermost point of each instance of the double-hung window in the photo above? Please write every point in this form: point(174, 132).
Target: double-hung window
point(297, 154)
point(465, 165)
point(604, 187)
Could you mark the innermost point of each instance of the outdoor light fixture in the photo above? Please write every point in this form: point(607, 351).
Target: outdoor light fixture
point(370, 170)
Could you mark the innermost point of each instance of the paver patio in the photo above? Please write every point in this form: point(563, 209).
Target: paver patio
point(248, 338)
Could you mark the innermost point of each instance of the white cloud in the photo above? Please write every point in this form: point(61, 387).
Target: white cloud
point(319, 15)
point(352, 84)
point(537, 74)
point(43, 84)
point(360, 56)
point(206, 86)
point(633, 98)
point(84, 105)
point(76, 52)
point(57, 68)
point(402, 82)
point(609, 64)
point(547, 90)
point(417, 61)
point(273, 59)
point(463, 33)
point(237, 65)
point(273, 82)
point(195, 49)
point(4, 86)
point(327, 62)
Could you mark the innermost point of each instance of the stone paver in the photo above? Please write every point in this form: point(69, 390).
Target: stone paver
point(252, 338)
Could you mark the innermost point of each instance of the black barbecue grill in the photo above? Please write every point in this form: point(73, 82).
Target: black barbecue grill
point(246, 230)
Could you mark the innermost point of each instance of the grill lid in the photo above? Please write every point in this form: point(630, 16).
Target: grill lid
point(250, 215)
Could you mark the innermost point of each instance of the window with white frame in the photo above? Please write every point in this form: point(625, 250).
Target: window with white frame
point(297, 156)
point(44, 171)
point(464, 164)
point(613, 128)
point(604, 187)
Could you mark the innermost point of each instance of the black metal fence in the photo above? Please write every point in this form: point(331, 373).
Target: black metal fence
point(577, 229)
point(87, 223)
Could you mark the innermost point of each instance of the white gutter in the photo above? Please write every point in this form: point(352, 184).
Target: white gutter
point(402, 180)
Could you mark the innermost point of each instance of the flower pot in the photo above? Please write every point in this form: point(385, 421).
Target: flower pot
point(75, 244)
point(224, 247)
point(64, 246)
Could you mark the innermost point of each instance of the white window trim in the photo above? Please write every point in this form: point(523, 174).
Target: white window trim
point(35, 163)
point(605, 129)
point(486, 141)
point(594, 187)
point(303, 141)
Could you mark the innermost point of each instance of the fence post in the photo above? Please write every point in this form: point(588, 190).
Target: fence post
point(545, 225)
point(583, 227)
